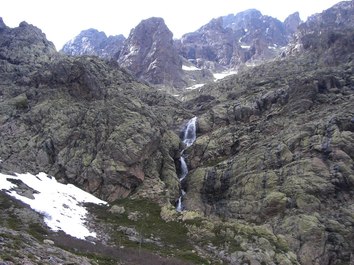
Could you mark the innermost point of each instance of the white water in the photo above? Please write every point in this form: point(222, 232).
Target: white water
point(189, 135)
point(189, 132)
point(180, 206)
point(184, 169)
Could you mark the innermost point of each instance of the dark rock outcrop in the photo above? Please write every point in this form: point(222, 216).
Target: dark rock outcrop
point(2, 24)
point(149, 54)
point(24, 45)
point(94, 42)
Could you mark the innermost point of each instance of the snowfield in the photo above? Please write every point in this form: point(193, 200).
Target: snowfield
point(218, 76)
point(190, 68)
point(195, 86)
point(60, 204)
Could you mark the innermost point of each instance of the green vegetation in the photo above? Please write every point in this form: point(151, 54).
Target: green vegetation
point(37, 231)
point(152, 232)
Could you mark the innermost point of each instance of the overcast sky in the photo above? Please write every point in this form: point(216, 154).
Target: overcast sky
point(64, 19)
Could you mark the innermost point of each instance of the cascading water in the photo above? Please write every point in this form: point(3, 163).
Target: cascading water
point(188, 136)
point(184, 168)
point(189, 132)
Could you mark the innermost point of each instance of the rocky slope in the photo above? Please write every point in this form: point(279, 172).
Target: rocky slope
point(275, 146)
point(81, 119)
point(94, 42)
point(328, 34)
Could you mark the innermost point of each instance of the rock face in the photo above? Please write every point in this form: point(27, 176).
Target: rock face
point(94, 42)
point(81, 119)
point(230, 41)
point(275, 145)
point(224, 43)
point(28, 45)
point(150, 55)
point(212, 46)
point(327, 34)
point(292, 23)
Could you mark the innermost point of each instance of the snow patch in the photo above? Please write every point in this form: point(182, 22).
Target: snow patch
point(61, 205)
point(245, 46)
point(190, 68)
point(218, 76)
point(195, 86)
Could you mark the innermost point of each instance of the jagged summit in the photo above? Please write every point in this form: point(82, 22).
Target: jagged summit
point(292, 23)
point(2, 24)
point(223, 44)
point(329, 34)
point(149, 53)
point(28, 44)
point(94, 42)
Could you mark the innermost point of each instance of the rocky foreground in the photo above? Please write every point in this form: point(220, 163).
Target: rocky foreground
point(271, 176)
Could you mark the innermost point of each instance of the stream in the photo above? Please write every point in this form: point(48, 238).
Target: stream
point(188, 136)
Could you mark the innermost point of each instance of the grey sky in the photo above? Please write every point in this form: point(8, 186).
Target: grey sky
point(62, 20)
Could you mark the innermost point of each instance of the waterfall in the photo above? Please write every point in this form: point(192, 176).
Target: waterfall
point(180, 206)
point(189, 132)
point(188, 137)
point(184, 168)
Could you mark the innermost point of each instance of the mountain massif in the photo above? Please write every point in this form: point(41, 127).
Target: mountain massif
point(270, 174)
point(224, 44)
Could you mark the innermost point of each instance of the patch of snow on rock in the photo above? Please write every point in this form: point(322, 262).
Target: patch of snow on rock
point(190, 68)
point(218, 76)
point(61, 205)
point(195, 86)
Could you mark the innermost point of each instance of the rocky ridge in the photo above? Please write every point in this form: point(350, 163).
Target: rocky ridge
point(228, 42)
point(94, 42)
point(225, 43)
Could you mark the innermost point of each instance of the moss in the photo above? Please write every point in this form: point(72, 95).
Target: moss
point(86, 159)
point(16, 241)
point(7, 257)
point(172, 236)
point(93, 256)
point(13, 222)
point(37, 231)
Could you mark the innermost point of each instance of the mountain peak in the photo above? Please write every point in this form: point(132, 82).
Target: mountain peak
point(94, 42)
point(149, 53)
point(2, 24)
point(28, 44)
point(292, 22)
